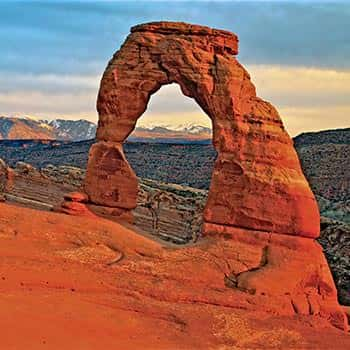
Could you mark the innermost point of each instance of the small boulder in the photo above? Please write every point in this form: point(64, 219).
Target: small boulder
point(78, 197)
point(75, 208)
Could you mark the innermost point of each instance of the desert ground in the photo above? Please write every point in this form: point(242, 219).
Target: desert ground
point(88, 283)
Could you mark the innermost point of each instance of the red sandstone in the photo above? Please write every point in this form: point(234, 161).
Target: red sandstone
point(257, 182)
point(87, 283)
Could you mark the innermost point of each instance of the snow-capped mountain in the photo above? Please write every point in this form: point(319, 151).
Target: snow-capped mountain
point(190, 128)
point(33, 128)
point(173, 134)
point(77, 130)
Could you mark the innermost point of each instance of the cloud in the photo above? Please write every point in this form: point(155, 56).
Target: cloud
point(60, 105)
point(53, 54)
point(80, 37)
point(301, 86)
point(299, 119)
point(170, 99)
point(170, 107)
point(307, 98)
point(48, 83)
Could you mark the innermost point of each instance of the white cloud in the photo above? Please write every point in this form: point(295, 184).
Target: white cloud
point(49, 106)
point(307, 98)
point(299, 119)
point(299, 86)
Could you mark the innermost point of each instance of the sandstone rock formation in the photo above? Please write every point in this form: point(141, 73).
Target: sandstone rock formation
point(258, 198)
point(257, 182)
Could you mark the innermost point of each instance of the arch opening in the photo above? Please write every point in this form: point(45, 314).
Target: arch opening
point(171, 152)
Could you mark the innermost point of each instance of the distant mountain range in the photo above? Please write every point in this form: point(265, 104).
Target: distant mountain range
point(190, 133)
point(28, 128)
point(60, 129)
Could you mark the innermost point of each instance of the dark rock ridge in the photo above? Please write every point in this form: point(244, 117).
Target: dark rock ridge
point(325, 159)
point(334, 136)
point(335, 240)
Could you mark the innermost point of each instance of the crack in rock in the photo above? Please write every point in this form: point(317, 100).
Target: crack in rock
point(232, 280)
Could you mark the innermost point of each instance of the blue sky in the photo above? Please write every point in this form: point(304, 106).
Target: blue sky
point(54, 52)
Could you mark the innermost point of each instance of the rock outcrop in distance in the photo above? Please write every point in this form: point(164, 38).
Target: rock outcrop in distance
point(181, 134)
point(30, 128)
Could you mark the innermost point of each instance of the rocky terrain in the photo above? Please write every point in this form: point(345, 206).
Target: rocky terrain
point(71, 282)
point(191, 165)
point(168, 211)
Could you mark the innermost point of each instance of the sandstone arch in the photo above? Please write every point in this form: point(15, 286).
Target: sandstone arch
point(257, 182)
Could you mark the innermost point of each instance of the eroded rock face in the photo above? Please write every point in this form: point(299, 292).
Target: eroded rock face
point(110, 181)
point(257, 181)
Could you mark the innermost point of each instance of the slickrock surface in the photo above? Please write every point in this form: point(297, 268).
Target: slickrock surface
point(80, 283)
point(257, 175)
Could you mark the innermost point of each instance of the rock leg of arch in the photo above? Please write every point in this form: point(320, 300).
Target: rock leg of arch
point(258, 192)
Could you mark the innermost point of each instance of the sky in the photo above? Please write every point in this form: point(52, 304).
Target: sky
point(53, 54)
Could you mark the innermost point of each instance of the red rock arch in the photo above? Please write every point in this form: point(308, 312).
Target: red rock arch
point(257, 182)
